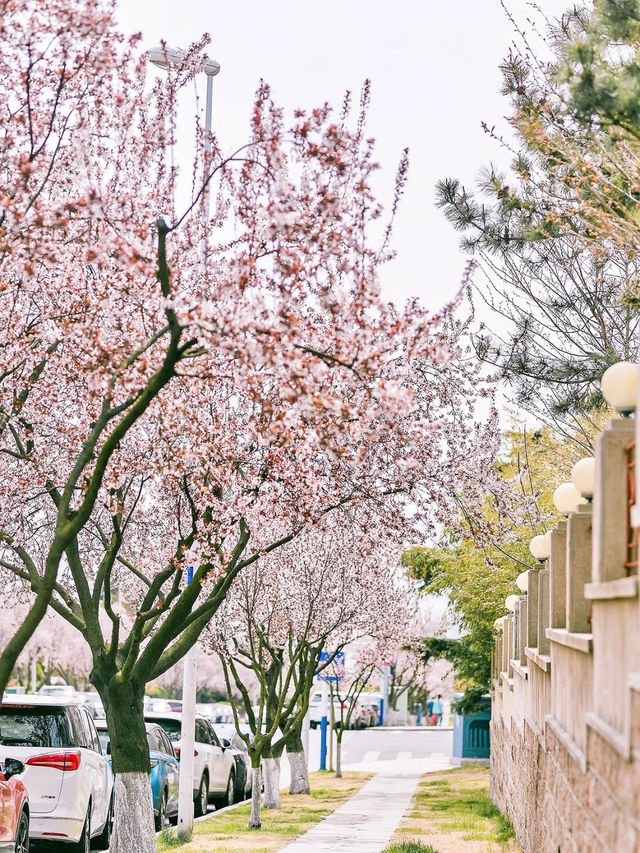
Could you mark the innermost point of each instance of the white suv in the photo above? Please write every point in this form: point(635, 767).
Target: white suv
point(69, 781)
point(213, 766)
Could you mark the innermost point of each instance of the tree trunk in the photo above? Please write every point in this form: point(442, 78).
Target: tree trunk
point(271, 782)
point(298, 764)
point(339, 752)
point(134, 826)
point(256, 782)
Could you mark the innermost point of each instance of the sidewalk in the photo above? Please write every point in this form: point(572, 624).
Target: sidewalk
point(366, 822)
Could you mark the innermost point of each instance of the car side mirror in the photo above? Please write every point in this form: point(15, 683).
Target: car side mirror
point(13, 767)
point(226, 743)
point(108, 748)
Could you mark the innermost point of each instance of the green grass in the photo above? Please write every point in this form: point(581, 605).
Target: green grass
point(230, 832)
point(410, 847)
point(457, 801)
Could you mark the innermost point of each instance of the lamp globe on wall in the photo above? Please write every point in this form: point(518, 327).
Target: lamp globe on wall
point(510, 602)
point(522, 581)
point(583, 476)
point(540, 547)
point(567, 499)
point(499, 623)
point(619, 386)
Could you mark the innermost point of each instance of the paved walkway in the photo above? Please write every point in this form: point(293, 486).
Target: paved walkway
point(366, 822)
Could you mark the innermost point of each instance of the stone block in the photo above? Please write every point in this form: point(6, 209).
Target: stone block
point(609, 546)
point(578, 567)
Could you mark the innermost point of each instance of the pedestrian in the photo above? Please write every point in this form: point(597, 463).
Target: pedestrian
point(430, 712)
point(437, 710)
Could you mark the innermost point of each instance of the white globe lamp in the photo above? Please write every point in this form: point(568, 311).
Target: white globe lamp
point(540, 547)
point(522, 581)
point(510, 602)
point(619, 386)
point(583, 476)
point(567, 499)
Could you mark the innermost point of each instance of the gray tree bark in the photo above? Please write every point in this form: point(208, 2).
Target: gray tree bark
point(133, 829)
point(271, 767)
point(299, 773)
point(255, 822)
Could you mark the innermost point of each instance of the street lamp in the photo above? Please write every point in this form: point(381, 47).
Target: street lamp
point(169, 58)
point(567, 499)
point(173, 57)
point(583, 476)
point(619, 386)
point(522, 581)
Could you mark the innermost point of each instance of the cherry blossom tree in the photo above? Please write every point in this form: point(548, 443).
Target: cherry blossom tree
point(326, 588)
point(181, 390)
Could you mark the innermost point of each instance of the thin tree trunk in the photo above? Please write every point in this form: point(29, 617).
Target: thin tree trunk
point(299, 773)
point(133, 828)
point(271, 766)
point(298, 763)
point(339, 752)
point(255, 821)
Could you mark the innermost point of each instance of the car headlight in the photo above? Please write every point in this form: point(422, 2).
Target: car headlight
point(154, 762)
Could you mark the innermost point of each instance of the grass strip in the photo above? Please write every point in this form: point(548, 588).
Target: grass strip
point(229, 833)
point(451, 811)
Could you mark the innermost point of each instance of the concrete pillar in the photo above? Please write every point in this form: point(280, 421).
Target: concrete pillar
point(558, 577)
point(579, 527)
point(610, 501)
point(499, 666)
point(522, 640)
point(532, 609)
point(543, 611)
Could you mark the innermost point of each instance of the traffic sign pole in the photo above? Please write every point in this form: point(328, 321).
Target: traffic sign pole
point(323, 726)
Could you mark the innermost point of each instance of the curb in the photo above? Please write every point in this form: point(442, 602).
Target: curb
point(215, 812)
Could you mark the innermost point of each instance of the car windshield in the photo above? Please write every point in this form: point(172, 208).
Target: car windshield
point(34, 726)
point(172, 727)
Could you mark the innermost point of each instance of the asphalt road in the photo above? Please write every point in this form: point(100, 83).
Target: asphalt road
point(378, 749)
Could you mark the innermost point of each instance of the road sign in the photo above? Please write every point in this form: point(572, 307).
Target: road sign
point(335, 671)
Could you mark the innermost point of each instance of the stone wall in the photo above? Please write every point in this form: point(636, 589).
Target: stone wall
point(565, 729)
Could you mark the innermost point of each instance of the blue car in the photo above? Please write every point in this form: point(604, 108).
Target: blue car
point(165, 772)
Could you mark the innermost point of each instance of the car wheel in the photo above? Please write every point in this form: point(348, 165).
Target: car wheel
point(102, 841)
point(202, 800)
point(22, 834)
point(229, 797)
point(83, 845)
point(161, 818)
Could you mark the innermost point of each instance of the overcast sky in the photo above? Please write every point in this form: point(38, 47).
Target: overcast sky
point(434, 69)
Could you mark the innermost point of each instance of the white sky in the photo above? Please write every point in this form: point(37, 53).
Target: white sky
point(434, 69)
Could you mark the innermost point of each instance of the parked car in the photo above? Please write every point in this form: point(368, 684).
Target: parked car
point(165, 771)
point(67, 691)
point(315, 709)
point(231, 740)
point(14, 808)
point(69, 780)
point(93, 702)
point(214, 766)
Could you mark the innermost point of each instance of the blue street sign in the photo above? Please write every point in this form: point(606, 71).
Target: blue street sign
point(335, 670)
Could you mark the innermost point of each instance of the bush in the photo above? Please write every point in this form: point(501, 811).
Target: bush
point(410, 847)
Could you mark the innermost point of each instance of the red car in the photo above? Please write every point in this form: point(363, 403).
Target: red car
point(14, 809)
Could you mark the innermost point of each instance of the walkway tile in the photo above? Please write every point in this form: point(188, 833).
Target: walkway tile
point(366, 822)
